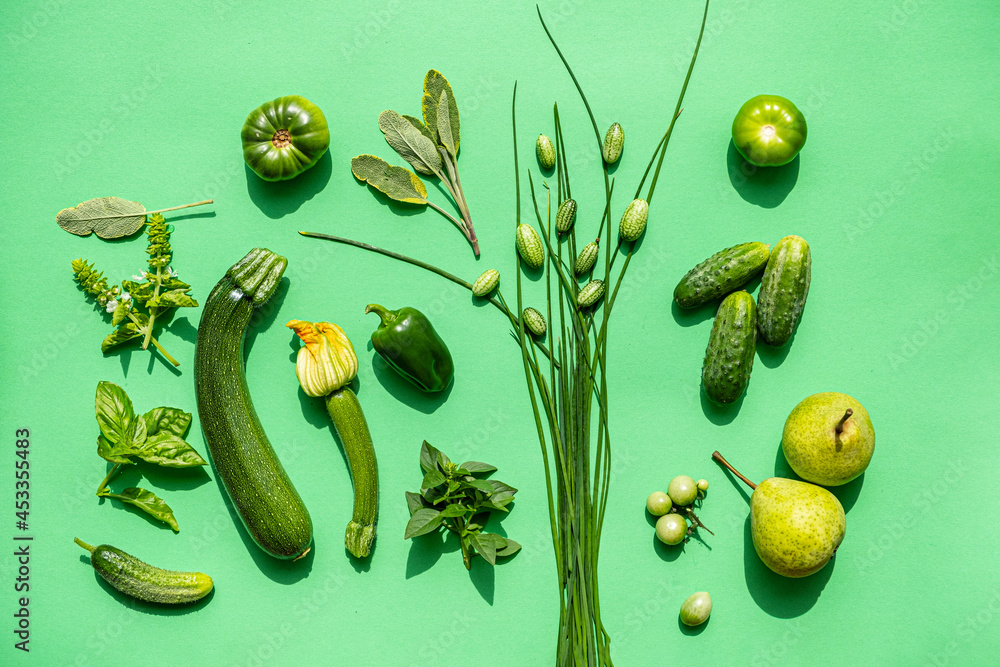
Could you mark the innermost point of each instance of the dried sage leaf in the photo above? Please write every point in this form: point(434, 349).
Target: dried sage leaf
point(434, 84)
point(444, 125)
point(108, 217)
point(394, 182)
point(411, 144)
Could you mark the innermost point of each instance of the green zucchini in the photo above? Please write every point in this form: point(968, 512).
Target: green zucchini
point(784, 289)
point(345, 412)
point(731, 346)
point(265, 498)
point(720, 274)
point(129, 575)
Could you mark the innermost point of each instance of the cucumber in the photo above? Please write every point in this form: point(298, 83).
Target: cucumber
point(784, 289)
point(264, 497)
point(129, 575)
point(720, 274)
point(731, 347)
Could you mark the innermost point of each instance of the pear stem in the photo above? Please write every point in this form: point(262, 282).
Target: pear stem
point(718, 457)
point(840, 424)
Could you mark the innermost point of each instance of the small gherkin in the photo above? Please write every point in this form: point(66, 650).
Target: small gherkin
point(590, 294)
point(546, 152)
point(633, 222)
point(486, 283)
point(529, 246)
point(566, 216)
point(534, 321)
point(613, 142)
point(585, 260)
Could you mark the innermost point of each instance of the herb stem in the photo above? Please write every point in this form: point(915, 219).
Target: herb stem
point(461, 226)
point(155, 342)
point(153, 312)
point(104, 482)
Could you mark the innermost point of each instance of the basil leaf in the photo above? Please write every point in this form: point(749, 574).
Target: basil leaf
point(502, 498)
point(394, 182)
point(422, 522)
point(176, 298)
point(511, 548)
point(410, 143)
point(109, 217)
point(485, 546)
point(434, 85)
point(149, 503)
point(115, 415)
point(168, 450)
point(488, 505)
point(122, 334)
point(414, 502)
point(444, 125)
point(500, 487)
point(432, 479)
point(454, 509)
point(139, 291)
point(480, 485)
point(173, 283)
point(120, 312)
point(110, 452)
point(428, 457)
point(168, 420)
point(472, 467)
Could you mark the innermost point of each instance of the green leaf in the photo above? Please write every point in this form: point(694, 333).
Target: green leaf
point(138, 291)
point(434, 85)
point(115, 415)
point(397, 183)
point(167, 420)
point(502, 498)
point(480, 485)
point(109, 217)
point(176, 298)
point(432, 479)
point(120, 312)
point(488, 505)
point(444, 125)
point(169, 450)
point(475, 467)
point(485, 546)
point(428, 457)
point(414, 502)
point(511, 548)
point(454, 509)
point(422, 522)
point(148, 502)
point(417, 123)
point(110, 452)
point(168, 283)
point(122, 334)
point(500, 487)
point(410, 143)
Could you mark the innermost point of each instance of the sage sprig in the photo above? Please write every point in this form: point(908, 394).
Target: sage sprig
point(430, 146)
point(157, 288)
point(454, 497)
point(110, 217)
point(155, 437)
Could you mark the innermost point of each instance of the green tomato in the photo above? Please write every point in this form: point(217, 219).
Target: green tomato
point(769, 131)
point(284, 137)
point(682, 490)
point(658, 503)
point(671, 528)
point(696, 609)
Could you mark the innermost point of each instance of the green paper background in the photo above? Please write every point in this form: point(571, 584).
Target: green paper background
point(895, 191)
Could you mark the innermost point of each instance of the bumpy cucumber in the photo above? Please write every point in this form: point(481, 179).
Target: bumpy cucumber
point(720, 274)
point(137, 579)
point(268, 504)
point(784, 289)
point(731, 347)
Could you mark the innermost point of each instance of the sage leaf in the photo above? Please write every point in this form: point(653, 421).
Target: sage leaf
point(110, 452)
point(485, 546)
point(417, 123)
point(115, 415)
point(414, 502)
point(422, 522)
point(108, 217)
point(444, 125)
point(149, 503)
point(170, 451)
point(511, 548)
point(410, 143)
point(122, 334)
point(176, 298)
point(434, 84)
point(473, 467)
point(167, 420)
point(432, 479)
point(397, 183)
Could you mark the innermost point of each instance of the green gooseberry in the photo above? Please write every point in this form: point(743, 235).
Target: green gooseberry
point(658, 503)
point(682, 490)
point(696, 609)
point(671, 529)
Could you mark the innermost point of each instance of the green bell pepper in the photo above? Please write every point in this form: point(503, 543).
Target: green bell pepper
point(409, 344)
point(769, 131)
point(284, 137)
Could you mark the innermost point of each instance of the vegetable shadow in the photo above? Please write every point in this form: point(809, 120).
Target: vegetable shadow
point(763, 186)
point(151, 608)
point(689, 317)
point(720, 415)
point(667, 552)
point(847, 494)
point(397, 207)
point(276, 199)
point(689, 630)
point(426, 550)
point(404, 391)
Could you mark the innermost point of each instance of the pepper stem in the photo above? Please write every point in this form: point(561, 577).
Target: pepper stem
point(718, 457)
point(386, 315)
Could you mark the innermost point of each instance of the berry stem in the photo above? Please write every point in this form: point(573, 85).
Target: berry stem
point(718, 457)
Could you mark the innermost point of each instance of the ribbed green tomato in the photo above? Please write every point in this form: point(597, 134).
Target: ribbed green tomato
point(769, 131)
point(284, 137)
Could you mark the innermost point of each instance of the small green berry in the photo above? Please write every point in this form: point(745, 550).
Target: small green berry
point(486, 283)
point(590, 294)
point(658, 503)
point(585, 260)
point(671, 529)
point(546, 152)
point(566, 216)
point(682, 490)
point(613, 142)
point(703, 485)
point(529, 245)
point(534, 321)
point(696, 609)
point(634, 220)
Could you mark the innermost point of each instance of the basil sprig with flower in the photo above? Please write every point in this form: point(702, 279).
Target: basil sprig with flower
point(155, 437)
point(325, 365)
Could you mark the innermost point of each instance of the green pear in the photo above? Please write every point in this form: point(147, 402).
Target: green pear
point(828, 439)
point(796, 526)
